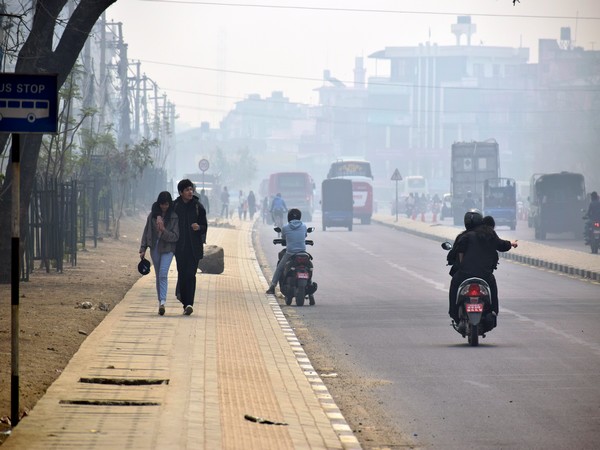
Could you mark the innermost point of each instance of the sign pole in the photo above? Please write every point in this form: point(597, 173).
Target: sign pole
point(396, 177)
point(15, 272)
point(397, 201)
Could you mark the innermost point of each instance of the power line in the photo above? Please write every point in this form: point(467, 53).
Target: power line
point(406, 85)
point(375, 11)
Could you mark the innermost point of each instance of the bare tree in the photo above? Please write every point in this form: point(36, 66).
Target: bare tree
point(39, 54)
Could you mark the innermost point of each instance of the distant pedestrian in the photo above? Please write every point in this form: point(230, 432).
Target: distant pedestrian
point(204, 201)
point(251, 204)
point(192, 236)
point(225, 202)
point(161, 234)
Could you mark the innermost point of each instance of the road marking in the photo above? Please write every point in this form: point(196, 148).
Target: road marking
point(436, 284)
point(574, 340)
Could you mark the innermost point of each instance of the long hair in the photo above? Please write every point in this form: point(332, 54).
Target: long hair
point(163, 197)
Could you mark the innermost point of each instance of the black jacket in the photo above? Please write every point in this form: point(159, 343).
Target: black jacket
point(190, 240)
point(480, 249)
point(594, 211)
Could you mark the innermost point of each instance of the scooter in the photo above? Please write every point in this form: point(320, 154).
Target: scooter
point(592, 234)
point(296, 279)
point(474, 308)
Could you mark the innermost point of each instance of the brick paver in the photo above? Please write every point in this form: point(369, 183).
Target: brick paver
point(142, 381)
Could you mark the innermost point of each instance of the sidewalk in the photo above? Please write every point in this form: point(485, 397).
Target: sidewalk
point(576, 263)
point(142, 381)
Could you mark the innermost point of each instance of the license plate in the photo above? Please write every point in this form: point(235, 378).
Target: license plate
point(474, 307)
point(303, 275)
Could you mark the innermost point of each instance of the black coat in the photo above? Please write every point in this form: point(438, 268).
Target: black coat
point(189, 240)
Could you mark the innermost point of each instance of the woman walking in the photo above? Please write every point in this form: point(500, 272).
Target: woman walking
point(161, 234)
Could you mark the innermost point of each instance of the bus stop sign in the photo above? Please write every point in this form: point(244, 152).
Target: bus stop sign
point(28, 103)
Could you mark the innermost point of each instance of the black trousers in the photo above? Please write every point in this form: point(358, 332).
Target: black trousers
point(458, 278)
point(187, 266)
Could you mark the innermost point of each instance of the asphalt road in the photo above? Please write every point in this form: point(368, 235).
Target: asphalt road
point(534, 382)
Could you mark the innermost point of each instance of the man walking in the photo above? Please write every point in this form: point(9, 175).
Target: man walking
point(192, 235)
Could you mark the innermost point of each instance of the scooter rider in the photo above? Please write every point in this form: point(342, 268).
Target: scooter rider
point(294, 233)
point(278, 207)
point(476, 252)
point(593, 215)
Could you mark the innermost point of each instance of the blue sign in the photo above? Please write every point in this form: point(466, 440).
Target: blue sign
point(28, 103)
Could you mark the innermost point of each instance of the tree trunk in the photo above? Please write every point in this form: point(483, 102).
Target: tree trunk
point(37, 56)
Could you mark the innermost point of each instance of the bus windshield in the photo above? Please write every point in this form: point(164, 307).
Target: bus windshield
point(350, 169)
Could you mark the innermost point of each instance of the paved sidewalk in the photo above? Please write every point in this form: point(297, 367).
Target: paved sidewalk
point(577, 263)
point(142, 381)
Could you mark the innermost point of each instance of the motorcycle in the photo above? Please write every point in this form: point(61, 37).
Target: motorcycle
point(592, 235)
point(296, 278)
point(474, 308)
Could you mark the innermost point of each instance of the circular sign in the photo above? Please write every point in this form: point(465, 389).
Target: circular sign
point(203, 165)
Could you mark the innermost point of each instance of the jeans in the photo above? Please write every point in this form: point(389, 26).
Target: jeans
point(162, 262)
point(279, 269)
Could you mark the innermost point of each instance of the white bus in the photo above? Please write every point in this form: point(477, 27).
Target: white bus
point(415, 184)
point(24, 109)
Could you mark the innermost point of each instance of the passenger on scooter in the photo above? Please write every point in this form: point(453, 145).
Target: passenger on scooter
point(278, 207)
point(476, 253)
point(294, 233)
point(593, 215)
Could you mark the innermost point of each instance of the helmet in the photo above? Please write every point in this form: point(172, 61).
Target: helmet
point(144, 266)
point(473, 218)
point(294, 214)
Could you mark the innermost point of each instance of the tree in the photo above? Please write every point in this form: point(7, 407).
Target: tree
point(126, 167)
point(41, 54)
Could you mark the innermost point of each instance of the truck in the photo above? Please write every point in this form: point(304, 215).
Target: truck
point(471, 164)
point(500, 201)
point(555, 203)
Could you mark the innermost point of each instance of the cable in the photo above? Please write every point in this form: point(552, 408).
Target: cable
point(407, 85)
point(377, 11)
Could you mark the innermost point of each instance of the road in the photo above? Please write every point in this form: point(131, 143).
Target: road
point(523, 233)
point(534, 382)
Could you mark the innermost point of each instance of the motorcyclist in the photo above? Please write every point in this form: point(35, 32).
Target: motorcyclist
point(469, 201)
point(593, 215)
point(278, 207)
point(294, 233)
point(476, 251)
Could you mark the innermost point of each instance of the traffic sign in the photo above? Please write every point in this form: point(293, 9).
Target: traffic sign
point(396, 176)
point(203, 165)
point(28, 103)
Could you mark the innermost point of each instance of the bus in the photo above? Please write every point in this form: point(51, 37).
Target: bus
point(24, 109)
point(359, 172)
point(297, 190)
point(415, 184)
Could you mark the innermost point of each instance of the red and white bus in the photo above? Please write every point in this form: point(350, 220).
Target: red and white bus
point(297, 190)
point(359, 172)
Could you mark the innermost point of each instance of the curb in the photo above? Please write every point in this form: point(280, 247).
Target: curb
point(590, 275)
point(347, 438)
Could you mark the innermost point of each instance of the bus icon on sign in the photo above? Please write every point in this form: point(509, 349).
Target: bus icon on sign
point(24, 109)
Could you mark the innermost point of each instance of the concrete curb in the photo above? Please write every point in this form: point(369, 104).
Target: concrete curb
point(443, 233)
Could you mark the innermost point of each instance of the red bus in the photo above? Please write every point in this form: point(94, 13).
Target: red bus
point(297, 189)
point(359, 172)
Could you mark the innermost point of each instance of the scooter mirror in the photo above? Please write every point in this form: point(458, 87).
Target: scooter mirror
point(277, 229)
point(446, 245)
point(310, 229)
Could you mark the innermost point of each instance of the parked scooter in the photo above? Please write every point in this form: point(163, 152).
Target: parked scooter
point(296, 278)
point(592, 233)
point(474, 308)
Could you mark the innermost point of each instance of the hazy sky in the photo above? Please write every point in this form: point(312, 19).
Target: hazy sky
point(207, 55)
